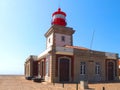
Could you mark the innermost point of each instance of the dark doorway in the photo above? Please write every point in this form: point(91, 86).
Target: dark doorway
point(110, 71)
point(64, 70)
point(42, 69)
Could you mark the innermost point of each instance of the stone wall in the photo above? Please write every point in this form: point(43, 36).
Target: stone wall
point(90, 58)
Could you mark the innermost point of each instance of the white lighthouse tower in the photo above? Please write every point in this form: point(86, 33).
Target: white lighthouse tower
point(59, 35)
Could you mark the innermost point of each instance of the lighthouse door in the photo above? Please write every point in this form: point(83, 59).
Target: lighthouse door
point(64, 69)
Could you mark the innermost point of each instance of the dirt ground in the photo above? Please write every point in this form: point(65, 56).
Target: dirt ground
point(14, 82)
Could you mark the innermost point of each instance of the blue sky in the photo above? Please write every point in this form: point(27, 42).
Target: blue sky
point(23, 24)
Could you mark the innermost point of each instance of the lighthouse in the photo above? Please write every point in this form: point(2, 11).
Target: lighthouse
point(64, 62)
point(59, 18)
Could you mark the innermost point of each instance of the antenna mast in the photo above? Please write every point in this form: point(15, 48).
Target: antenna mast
point(58, 3)
point(91, 44)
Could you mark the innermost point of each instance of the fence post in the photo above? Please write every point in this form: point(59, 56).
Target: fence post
point(103, 88)
point(63, 85)
point(53, 83)
point(76, 86)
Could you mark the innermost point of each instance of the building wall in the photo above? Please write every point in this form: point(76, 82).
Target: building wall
point(59, 42)
point(31, 66)
point(50, 41)
point(48, 68)
point(90, 60)
point(27, 69)
point(53, 66)
point(54, 35)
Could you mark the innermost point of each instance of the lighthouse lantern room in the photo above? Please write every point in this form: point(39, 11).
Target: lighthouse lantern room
point(59, 18)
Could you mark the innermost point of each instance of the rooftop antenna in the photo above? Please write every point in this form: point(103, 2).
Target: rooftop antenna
point(58, 3)
point(90, 51)
point(91, 44)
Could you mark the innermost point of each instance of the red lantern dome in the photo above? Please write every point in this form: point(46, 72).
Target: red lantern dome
point(59, 18)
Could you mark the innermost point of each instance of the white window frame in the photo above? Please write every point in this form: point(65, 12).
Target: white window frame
point(82, 68)
point(97, 68)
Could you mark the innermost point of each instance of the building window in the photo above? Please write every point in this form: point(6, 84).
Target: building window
point(49, 40)
point(63, 38)
point(97, 68)
point(82, 68)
